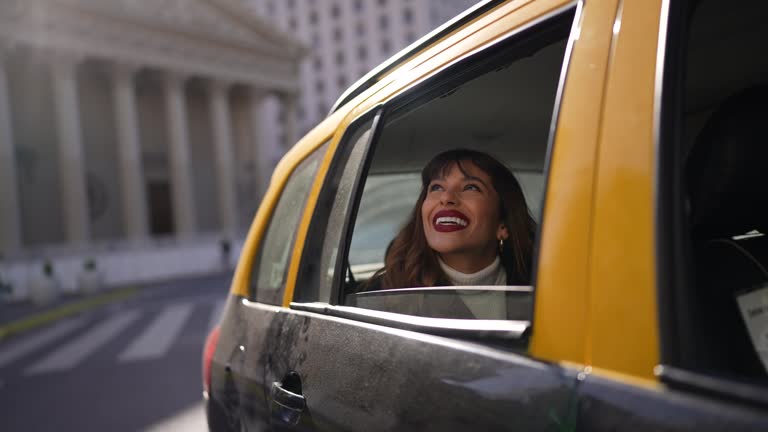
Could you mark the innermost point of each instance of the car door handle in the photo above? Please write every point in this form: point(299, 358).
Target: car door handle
point(286, 405)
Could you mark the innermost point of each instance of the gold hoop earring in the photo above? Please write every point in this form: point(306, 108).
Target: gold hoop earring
point(501, 246)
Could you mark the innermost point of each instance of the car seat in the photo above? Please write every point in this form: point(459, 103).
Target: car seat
point(727, 182)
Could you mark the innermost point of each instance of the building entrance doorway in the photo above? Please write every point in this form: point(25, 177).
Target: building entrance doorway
point(160, 208)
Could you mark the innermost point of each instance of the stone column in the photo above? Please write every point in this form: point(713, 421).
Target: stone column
point(132, 189)
point(178, 146)
point(289, 102)
point(262, 150)
point(10, 223)
point(221, 120)
point(71, 163)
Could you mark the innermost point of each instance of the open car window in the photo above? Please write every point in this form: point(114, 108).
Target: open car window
point(500, 101)
point(512, 99)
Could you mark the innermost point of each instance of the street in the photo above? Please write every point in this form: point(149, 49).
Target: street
point(132, 365)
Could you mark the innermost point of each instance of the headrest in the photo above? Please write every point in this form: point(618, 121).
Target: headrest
point(727, 170)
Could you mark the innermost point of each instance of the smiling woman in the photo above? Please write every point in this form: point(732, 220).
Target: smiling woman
point(470, 226)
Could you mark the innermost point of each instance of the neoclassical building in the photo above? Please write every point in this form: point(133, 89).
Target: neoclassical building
point(134, 125)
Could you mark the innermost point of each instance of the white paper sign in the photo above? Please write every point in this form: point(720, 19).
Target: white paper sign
point(754, 311)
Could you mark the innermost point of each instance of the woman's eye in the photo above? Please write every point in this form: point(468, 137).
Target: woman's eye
point(472, 187)
point(435, 187)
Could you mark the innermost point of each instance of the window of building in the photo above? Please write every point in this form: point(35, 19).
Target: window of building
point(376, 183)
point(362, 52)
point(382, 3)
point(340, 58)
point(713, 228)
point(360, 29)
point(386, 46)
point(383, 22)
point(320, 86)
point(313, 17)
point(338, 35)
point(358, 5)
point(317, 62)
point(407, 15)
point(341, 81)
point(335, 11)
point(292, 23)
point(271, 265)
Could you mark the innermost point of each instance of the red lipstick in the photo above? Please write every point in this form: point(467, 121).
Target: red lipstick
point(449, 221)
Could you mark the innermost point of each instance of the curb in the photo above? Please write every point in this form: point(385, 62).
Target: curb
point(40, 319)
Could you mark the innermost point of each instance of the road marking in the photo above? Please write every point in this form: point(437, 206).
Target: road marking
point(216, 312)
point(63, 311)
point(190, 419)
point(70, 355)
point(157, 339)
point(36, 341)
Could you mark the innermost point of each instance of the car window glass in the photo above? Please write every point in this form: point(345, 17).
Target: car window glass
point(271, 265)
point(714, 292)
point(326, 229)
point(340, 208)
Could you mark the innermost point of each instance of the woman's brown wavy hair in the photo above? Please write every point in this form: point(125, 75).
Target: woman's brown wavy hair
point(410, 262)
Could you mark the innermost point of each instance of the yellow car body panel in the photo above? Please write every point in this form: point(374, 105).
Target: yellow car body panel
point(561, 306)
point(624, 324)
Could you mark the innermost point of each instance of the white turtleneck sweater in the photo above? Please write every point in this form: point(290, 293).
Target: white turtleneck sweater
point(482, 304)
point(494, 274)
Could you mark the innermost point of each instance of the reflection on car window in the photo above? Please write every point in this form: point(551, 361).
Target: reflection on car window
point(268, 281)
point(342, 194)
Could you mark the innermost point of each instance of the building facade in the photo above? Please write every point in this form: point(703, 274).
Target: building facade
point(348, 38)
point(132, 131)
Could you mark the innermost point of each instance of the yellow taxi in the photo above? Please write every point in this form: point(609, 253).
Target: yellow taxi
point(636, 129)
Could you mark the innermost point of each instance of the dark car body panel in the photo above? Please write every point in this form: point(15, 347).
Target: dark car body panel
point(381, 378)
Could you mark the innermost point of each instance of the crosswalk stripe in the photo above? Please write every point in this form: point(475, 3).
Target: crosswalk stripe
point(38, 340)
point(218, 308)
point(70, 355)
point(156, 340)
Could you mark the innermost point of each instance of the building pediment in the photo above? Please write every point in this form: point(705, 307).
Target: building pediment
point(217, 19)
point(206, 37)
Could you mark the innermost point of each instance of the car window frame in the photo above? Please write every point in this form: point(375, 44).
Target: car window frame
point(674, 280)
point(252, 279)
point(308, 270)
point(459, 71)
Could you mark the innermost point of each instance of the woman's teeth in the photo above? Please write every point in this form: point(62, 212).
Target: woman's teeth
point(451, 221)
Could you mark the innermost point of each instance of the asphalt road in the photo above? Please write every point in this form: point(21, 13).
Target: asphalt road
point(127, 366)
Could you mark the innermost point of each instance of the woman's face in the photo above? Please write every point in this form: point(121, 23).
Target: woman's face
point(461, 217)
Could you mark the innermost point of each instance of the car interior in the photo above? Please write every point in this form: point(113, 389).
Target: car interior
point(723, 309)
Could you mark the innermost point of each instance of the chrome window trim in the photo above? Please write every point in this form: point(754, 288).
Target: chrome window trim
point(467, 328)
point(504, 288)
